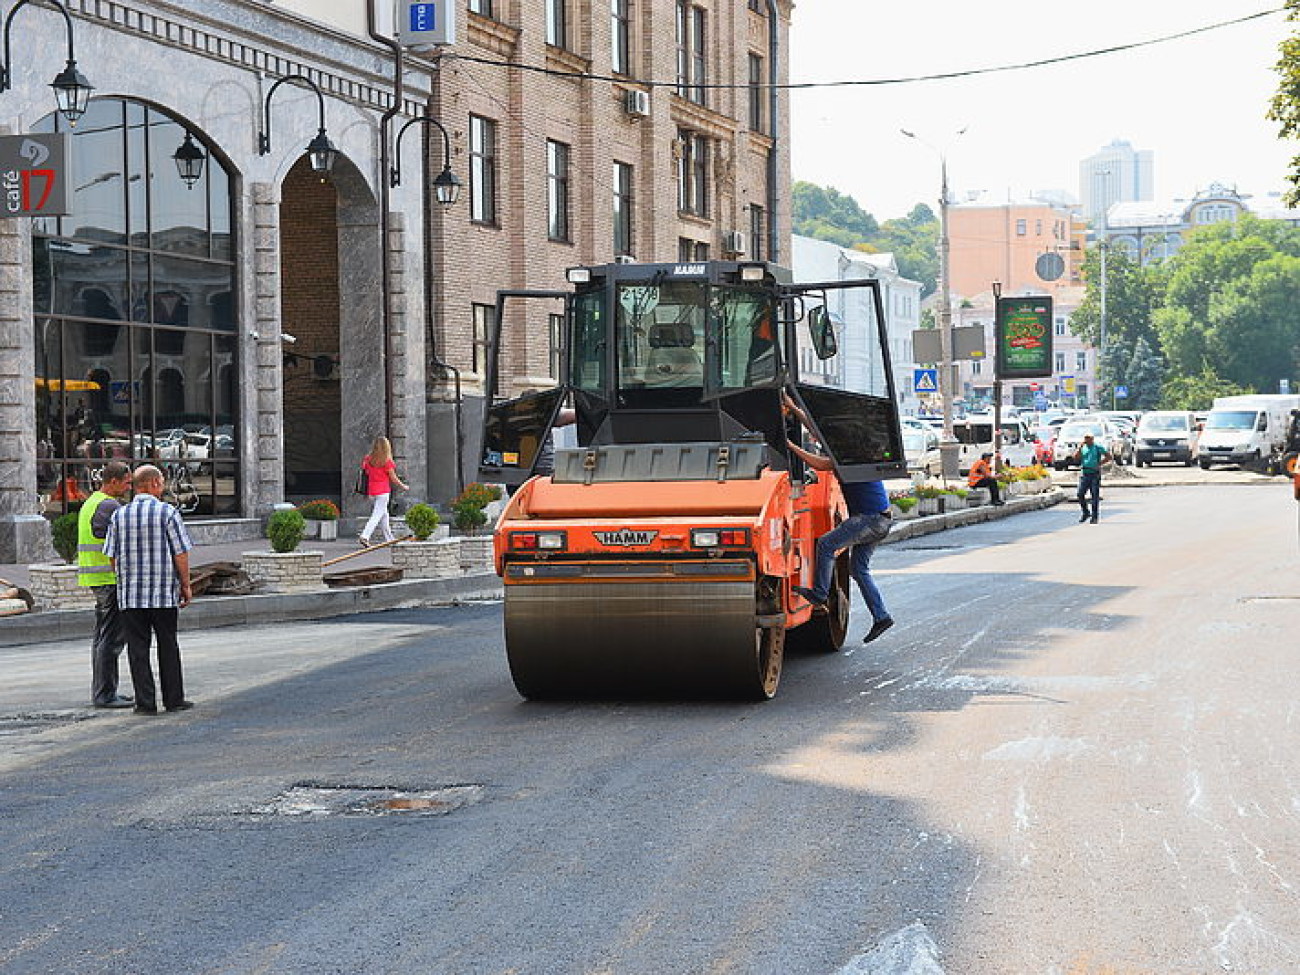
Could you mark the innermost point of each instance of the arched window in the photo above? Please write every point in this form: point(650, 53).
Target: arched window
point(132, 298)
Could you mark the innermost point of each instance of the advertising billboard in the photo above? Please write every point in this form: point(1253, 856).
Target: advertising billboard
point(1023, 335)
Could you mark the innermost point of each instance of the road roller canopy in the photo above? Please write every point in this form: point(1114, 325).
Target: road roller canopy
point(693, 353)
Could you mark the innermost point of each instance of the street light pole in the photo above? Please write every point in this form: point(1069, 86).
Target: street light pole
point(949, 450)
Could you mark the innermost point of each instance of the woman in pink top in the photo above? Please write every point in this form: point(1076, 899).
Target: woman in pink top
point(381, 475)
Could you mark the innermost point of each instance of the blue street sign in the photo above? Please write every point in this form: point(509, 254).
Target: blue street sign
point(1121, 392)
point(426, 24)
point(925, 380)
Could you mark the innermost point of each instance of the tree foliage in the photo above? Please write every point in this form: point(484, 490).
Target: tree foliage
point(1196, 392)
point(1285, 108)
point(827, 214)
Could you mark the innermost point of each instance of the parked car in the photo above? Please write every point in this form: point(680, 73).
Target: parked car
point(1104, 432)
point(1167, 435)
point(921, 448)
point(1044, 442)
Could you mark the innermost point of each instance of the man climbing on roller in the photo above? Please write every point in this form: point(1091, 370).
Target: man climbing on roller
point(865, 528)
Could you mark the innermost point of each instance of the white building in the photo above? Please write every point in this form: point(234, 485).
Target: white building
point(856, 366)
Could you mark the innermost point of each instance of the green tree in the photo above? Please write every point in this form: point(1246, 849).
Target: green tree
point(1132, 294)
point(828, 214)
point(1230, 303)
point(1196, 392)
point(1143, 377)
point(1285, 108)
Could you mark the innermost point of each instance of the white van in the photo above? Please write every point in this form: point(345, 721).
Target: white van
point(1248, 430)
point(975, 434)
point(1166, 435)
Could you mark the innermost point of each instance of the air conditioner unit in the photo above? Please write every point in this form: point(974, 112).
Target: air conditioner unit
point(637, 102)
point(624, 259)
point(733, 241)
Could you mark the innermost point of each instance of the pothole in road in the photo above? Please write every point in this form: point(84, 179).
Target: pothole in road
point(33, 723)
point(315, 800)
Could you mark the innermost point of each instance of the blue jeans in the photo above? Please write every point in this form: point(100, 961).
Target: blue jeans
point(863, 533)
point(1089, 485)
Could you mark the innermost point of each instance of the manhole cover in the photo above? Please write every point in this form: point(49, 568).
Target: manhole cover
point(309, 801)
point(930, 548)
point(33, 723)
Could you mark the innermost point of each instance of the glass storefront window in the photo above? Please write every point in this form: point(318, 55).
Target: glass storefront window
point(135, 330)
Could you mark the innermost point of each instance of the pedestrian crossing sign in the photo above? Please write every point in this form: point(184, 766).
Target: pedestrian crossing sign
point(925, 380)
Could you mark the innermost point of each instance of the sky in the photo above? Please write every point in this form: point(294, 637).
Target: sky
point(1198, 103)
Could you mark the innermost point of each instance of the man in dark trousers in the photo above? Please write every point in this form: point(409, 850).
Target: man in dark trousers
point(95, 571)
point(1091, 456)
point(149, 548)
point(981, 476)
point(866, 527)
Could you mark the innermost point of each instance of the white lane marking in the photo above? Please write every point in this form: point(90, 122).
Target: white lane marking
point(909, 951)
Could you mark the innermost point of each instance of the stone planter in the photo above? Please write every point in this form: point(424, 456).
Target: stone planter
point(902, 514)
point(284, 571)
point(476, 553)
point(326, 531)
point(430, 559)
point(54, 586)
point(927, 506)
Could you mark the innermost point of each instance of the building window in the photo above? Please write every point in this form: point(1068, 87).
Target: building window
point(757, 232)
point(622, 209)
point(1060, 363)
point(1059, 327)
point(975, 367)
point(693, 173)
point(555, 346)
point(1081, 362)
point(483, 316)
point(557, 24)
point(756, 93)
point(482, 170)
point(557, 190)
point(1022, 228)
point(691, 251)
point(621, 36)
point(756, 6)
point(483, 7)
point(691, 52)
point(1038, 228)
point(136, 330)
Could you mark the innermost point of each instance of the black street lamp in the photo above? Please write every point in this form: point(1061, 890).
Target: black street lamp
point(320, 151)
point(189, 160)
point(71, 89)
point(445, 185)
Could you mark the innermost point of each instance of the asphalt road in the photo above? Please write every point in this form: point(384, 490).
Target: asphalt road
point(1075, 753)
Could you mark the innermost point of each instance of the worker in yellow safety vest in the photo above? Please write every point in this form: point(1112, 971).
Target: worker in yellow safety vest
point(95, 571)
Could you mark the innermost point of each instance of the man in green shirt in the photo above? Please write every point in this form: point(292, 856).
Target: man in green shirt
point(95, 571)
point(1090, 456)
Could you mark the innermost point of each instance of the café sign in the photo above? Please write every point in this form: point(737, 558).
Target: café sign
point(35, 178)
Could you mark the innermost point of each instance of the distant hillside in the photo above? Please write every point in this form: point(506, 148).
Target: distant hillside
point(827, 214)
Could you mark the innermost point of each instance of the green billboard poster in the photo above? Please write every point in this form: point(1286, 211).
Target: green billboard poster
point(1023, 333)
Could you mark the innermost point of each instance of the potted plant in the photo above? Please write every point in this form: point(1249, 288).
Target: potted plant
point(54, 584)
point(426, 557)
point(928, 503)
point(284, 568)
point(322, 517)
point(904, 506)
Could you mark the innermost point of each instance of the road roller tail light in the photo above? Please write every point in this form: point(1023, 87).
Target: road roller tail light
point(720, 538)
point(537, 541)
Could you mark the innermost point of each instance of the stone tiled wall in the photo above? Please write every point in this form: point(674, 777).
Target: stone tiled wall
point(428, 560)
point(284, 571)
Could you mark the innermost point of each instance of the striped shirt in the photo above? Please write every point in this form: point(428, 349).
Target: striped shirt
point(143, 537)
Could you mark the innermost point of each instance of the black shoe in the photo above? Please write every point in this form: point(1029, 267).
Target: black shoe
point(183, 706)
point(1083, 517)
point(143, 710)
point(1094, 519)
point(809, 595)
point(999, 504)
point(877, 628)
point(117, 702)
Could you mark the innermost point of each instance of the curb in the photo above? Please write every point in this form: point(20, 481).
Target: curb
point(210, 612)
point(929, 524)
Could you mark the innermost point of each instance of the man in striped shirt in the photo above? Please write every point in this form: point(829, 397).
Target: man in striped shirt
point(149, 548)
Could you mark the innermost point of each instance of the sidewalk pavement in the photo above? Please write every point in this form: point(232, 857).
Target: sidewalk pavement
point(215, 611)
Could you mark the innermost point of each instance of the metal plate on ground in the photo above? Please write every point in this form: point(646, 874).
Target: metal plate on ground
point(35, 722)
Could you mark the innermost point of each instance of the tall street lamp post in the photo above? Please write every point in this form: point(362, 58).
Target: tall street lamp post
point(71, 89)
point(949, 449)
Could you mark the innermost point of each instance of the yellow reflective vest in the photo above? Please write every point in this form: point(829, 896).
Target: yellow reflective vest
point(94, 568)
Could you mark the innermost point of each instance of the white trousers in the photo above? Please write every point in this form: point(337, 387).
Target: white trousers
point(378, 519)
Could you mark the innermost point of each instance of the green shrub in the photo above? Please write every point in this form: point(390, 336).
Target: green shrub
point(422, 520)
point(285, 530)
point(63, 533)
point(928, 491)
point(468, 515)
point(905, 504)
point(320, 510)
point(479, 494)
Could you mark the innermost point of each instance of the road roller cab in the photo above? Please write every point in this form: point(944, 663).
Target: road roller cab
point(657, 556)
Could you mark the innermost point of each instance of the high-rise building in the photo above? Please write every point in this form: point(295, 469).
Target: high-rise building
point(1116, 174)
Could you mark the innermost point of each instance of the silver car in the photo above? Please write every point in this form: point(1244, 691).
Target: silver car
point(1104, 432)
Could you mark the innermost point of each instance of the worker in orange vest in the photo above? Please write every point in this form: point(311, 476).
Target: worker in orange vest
point(981, 476)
